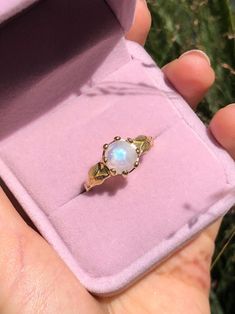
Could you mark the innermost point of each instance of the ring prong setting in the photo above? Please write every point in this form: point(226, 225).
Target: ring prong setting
point(120, 157)
point(105, 159)
point(125, 173)
point(113, 172)
point(136, 164)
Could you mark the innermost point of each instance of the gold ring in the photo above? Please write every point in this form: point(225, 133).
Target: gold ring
point(120, 157)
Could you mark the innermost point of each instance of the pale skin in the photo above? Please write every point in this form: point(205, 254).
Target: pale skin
point(33, 279)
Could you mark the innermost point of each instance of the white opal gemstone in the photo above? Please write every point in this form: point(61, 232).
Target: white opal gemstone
point(121, 156)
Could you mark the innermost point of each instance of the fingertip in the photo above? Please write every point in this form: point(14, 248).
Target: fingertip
point(142, 23)
point(191, 75)
point(223, 128)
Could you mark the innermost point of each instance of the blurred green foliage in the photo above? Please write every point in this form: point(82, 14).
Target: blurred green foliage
point(208, 25)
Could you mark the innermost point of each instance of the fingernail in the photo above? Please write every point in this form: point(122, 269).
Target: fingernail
point(197, 52)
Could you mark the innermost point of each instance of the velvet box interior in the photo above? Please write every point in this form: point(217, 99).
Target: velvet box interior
point(70, 83)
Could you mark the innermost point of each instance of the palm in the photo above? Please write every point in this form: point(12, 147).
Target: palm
point(41, 283)
point(179, 285)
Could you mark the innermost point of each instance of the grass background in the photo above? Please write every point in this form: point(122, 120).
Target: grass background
point(180, 25)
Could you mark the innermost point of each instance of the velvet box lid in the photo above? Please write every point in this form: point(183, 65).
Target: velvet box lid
point(72, 83)
point(123, 10)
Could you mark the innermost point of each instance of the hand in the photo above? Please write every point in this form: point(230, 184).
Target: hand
point(33, 279)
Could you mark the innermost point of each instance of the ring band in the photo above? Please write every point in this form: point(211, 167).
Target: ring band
point(120, 157)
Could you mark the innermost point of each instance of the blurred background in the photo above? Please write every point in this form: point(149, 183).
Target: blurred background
point(180, 25)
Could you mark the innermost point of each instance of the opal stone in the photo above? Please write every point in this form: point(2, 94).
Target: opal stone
point(121, 156)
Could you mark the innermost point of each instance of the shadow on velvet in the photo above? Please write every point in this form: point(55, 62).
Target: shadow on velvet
point(48, 49)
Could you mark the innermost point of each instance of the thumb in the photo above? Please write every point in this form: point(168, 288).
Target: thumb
point(31, 273)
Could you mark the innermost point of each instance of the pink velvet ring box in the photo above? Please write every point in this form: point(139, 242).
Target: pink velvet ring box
point(70, 83)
